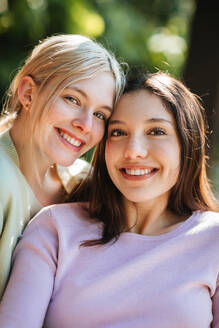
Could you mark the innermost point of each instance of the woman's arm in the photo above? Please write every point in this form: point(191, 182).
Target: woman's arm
point(30, 287)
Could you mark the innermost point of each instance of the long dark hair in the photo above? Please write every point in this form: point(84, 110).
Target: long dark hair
point(192, 190)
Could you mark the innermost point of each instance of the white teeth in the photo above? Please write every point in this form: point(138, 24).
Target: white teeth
point(138, 171)
point(71, 140)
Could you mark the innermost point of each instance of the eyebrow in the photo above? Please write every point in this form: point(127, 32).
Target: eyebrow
point(86, 96)
point(159, 120)
point(151, 120)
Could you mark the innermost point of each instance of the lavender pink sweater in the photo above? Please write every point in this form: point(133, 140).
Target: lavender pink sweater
point(165, 281)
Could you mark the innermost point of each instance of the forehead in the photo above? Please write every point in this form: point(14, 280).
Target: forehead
point(99, 87)
point(141, 104)
point(103, 77)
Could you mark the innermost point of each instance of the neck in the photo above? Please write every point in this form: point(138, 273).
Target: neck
point(151, 217)
point(40, 174)
point(30, 160)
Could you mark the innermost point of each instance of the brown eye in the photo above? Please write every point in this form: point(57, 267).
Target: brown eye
point(117, 133)
point(157, 132)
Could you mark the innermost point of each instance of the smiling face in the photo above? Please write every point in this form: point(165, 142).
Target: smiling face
point(142, 149)
point(76, 120)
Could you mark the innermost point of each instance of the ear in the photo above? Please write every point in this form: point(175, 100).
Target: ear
point(26, 91)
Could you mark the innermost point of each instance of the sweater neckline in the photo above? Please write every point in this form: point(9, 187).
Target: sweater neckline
point(173, 233)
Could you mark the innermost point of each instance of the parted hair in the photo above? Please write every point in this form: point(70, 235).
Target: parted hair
point(62, 59)
point(192, 190)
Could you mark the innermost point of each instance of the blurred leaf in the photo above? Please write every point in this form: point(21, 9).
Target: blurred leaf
point(153, 33)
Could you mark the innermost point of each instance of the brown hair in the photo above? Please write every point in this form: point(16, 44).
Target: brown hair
point(192, 190)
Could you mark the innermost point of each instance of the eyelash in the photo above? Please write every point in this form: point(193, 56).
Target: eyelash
point(98, 114)
point(157, 132)
point(118, 132)
point(73, 100)
point(153, 132)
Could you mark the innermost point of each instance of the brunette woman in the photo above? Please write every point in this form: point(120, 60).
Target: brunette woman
point(144, 251)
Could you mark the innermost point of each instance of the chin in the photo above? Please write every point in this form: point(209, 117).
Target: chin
point(136, 199)
point(65, 161)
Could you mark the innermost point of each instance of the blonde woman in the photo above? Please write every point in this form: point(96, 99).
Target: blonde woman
point(55, 111)
point(143, 252)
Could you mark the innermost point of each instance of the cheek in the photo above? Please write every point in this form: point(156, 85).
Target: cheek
point(174, 161)
point(174, 174)
point(109, 157)
point(169, 154)
point(169, 158)
point(172, 158)
point(175, 155)
point(97, 132)
point(53, 116)
point(60, 111)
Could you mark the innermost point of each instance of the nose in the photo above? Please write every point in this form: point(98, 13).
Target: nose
point(84, 122)
point(136, 148)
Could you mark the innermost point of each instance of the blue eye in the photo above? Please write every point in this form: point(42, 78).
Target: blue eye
point(100, 115)
point(117, 133)
point(157, 132)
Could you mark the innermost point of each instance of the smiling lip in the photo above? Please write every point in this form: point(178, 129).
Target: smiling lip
point(70, 140)
point(138, 173)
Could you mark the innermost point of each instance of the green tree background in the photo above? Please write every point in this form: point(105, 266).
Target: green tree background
point(154, 34)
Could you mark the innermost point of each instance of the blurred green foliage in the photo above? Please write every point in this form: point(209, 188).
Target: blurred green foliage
point(153, 33)
point(150, 33)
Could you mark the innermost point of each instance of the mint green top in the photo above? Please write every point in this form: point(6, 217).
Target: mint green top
point(17, 204)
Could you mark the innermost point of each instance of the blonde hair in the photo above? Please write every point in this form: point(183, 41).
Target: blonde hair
point(62, 59)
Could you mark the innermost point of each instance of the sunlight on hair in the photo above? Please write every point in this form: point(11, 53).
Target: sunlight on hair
point(164, 79)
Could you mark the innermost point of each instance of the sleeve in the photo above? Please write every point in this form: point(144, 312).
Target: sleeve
point(1, 218)
point(30, 286)
point(215, 306)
